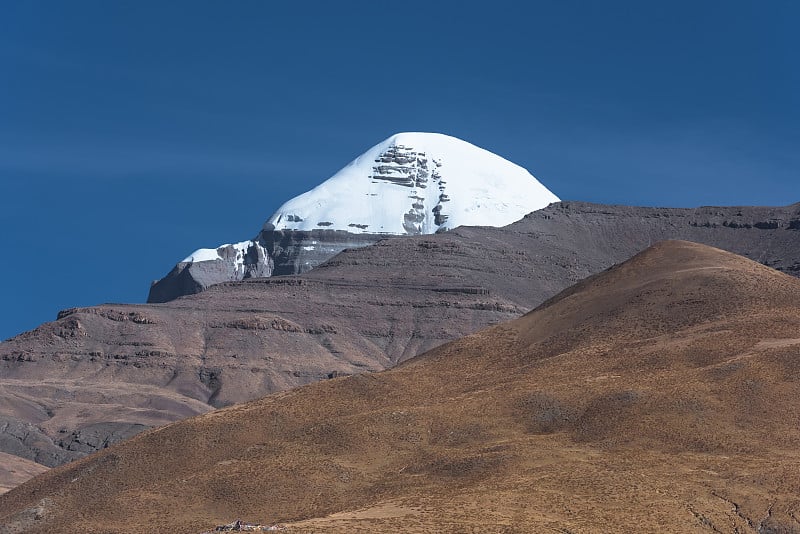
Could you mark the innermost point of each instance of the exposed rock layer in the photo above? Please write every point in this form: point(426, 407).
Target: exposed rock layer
point(272, 253)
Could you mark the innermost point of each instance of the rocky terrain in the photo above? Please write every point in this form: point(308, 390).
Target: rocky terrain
point(100, 374)
point(656, 396)
point(272, 253)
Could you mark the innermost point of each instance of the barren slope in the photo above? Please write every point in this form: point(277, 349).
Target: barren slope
point(659, 396)
point(99, 374)
point(15, 470)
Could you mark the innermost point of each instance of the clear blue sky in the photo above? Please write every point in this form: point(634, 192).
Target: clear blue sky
point(132, 133)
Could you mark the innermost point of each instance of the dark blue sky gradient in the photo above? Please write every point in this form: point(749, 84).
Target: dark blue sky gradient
point(132, 133)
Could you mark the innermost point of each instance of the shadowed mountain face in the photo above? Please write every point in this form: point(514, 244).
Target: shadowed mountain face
point(657, 396)
point(100, 374)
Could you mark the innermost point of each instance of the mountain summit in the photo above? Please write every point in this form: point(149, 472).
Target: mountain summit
point(409, 184)
point(417, 183)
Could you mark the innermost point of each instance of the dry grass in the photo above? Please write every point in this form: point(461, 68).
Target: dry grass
point(15, 470)
point(659, 396)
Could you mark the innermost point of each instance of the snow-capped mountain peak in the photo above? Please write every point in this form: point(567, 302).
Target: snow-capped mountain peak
point(411, 183)
point(416, 183)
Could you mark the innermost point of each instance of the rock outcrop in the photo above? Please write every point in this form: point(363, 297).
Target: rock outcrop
point(272, 253)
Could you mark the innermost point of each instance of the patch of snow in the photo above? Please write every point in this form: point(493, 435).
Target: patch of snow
point(202, 254)
point(211, 254)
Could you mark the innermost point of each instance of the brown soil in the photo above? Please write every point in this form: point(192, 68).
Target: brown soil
point(658, 396)
point(15, 470)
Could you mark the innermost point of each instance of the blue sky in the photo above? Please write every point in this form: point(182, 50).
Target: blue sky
point(132, 133)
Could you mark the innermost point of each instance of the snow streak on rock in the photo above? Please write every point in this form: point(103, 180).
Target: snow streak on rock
point(417, 183)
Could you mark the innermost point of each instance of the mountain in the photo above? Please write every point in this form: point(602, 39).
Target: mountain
point(656, 396)
point(409, 184)
point(97, 375)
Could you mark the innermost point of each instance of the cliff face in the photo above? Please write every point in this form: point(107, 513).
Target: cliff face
point(272, 253)
point(296, 252)
point(768, 235)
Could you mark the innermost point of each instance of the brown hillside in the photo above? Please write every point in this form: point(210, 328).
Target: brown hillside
point(16, 470)
point(658, 396)
point(101, 374)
